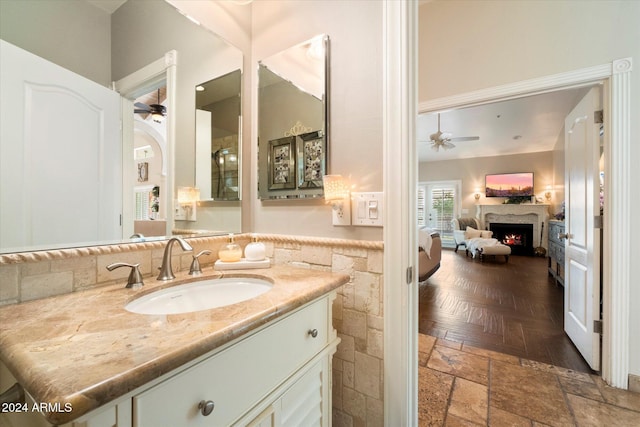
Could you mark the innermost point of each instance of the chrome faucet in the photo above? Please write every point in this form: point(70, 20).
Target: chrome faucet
point(166, 272)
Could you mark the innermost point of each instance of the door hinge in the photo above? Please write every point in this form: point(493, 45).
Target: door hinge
point(597, 221)
point(597, 326)
point(598, 116)
point(409, 275)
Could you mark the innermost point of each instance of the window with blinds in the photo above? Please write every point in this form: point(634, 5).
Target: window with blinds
point(143, 196)
point(438, 203)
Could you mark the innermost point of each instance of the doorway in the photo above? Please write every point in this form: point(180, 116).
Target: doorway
point(616, 260)
point(160, 73)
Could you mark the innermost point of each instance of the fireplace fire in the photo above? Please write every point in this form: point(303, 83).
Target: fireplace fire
point(517, 236)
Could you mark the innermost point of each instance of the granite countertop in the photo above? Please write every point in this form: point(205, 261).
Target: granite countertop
point(85, 349)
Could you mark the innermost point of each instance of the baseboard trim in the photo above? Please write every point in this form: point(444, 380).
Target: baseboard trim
point(634, 383)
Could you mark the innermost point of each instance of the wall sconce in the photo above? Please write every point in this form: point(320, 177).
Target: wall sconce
point(476, 194)
point(547, 194)
point(336, 192)
point(186, 206)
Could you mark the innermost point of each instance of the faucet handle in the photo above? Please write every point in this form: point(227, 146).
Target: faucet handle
point(135, 278)
point(195, 269)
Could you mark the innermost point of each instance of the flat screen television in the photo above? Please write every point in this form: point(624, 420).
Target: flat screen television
point(509, 185)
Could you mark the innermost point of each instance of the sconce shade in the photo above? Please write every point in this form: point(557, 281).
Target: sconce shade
point(188, 194)
point(335, 188)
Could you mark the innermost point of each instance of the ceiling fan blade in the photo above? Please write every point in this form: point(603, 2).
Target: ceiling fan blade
point(141, 106)
point(465, 138)
point(448, 146)
point(435, 147)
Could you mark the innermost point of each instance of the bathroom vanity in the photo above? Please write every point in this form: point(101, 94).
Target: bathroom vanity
point(261, 362)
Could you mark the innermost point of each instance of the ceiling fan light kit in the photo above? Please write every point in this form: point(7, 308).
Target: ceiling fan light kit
point(443, 139)
point(157, 111)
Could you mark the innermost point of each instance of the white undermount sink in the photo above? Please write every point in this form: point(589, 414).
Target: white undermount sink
point(200, 295)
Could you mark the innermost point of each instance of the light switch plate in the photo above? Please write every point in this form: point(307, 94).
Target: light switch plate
point(367, 209)
point(184, 212)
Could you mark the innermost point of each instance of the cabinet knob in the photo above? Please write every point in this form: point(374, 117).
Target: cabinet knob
point(563, 236)
point(313, 333)
point(206, 407)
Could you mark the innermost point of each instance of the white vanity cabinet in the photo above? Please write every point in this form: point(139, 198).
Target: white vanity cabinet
point(251, 372)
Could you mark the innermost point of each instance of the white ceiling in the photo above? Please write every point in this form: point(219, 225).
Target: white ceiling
point(538, 119)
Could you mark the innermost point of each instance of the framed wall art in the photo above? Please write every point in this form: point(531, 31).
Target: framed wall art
point(311, 163)
point(282, 163)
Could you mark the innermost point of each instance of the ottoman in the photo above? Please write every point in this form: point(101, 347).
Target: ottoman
point(494, 250)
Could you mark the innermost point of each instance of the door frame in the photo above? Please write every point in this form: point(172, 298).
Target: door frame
point(615, 78)
point(130, 87)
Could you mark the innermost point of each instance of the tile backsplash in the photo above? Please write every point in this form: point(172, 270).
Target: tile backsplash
point(357, 311)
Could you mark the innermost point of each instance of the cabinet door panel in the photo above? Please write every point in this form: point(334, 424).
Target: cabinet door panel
point(236, 378)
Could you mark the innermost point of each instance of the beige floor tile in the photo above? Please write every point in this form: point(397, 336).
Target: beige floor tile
point(618, 397)
point(469, 366)
point(590, 413)
point(434, 389)
point(469, 401)
point(449, 343)
point(425, 343)
point(556, 370)
point(499, 417)
point(453, 421)
point(491, 354)
point(529, 393)
point(581, 388)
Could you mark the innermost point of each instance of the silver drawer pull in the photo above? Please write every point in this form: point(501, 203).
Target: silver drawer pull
point(206, 408)
point(563, 236)
point(313, 333)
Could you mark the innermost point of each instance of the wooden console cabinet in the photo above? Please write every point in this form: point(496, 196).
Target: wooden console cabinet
point(556, 252)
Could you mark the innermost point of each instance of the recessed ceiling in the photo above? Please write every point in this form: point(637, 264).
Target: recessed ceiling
point(524, 125)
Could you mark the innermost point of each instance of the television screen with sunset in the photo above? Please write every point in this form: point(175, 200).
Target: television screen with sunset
point(509, 185)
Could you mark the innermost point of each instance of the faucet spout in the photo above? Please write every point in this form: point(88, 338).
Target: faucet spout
point(166, 271)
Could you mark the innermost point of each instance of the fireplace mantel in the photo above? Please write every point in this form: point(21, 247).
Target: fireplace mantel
point(516, 214)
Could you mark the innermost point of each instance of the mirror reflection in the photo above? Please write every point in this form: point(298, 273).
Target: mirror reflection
point(292, 121)
point(217, 137)
point(118, 42)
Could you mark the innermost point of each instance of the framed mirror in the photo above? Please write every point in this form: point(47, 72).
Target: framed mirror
point(218, 124)
point(117, 43)
point(293, 121)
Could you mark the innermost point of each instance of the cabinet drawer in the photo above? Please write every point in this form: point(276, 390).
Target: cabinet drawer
point(552, 250)
point(238, 377)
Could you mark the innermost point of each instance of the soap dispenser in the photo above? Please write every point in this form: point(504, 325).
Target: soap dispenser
point(254, 251)
point(231, 252)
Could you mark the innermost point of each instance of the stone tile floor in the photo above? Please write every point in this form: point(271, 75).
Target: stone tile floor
point(461, 385)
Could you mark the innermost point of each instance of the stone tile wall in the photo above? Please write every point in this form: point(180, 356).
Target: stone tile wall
point(357, 312)
point(357, 316)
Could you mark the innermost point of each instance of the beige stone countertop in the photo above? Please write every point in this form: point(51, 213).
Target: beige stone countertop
point(86, 350)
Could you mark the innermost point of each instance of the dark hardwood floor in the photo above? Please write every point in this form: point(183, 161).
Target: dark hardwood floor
point(513, 308)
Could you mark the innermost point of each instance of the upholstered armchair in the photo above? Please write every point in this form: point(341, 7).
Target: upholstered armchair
point(459, 226)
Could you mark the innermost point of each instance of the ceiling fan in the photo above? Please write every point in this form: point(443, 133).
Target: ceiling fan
point(443, 139)
point(157, 111)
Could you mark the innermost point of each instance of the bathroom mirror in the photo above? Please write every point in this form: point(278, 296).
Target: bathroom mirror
point(292, 121)
point(218, 123)
point(124, 40)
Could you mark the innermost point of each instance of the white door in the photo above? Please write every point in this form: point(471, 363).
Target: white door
point(60, 155)
point(582, 244)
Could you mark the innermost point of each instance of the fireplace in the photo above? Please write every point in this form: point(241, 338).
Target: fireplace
point(519, 237)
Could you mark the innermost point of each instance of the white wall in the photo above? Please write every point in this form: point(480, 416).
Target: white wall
point(491, 43)
point(472, 173)
point(73, 34)
point(355, 133)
